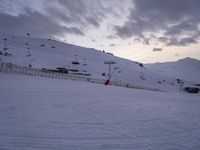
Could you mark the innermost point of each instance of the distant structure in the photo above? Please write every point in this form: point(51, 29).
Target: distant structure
point(5, 44)
point(109, 63)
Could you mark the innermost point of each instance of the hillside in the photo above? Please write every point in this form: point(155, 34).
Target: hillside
point(50, 54)
point(187, 69)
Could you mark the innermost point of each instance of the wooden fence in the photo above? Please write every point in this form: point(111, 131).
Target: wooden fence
point(11, 68)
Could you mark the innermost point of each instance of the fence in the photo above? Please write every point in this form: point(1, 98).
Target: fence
point(11, 68)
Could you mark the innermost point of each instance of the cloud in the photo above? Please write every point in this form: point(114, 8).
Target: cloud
point(93, 40)
point(78, 11)
point(157, 49)
point(111, 37)
point(181, 42)
point(112, 45)
point(170, 18)
point(93, 21)
point(35, 23)
point(51, 19)
point(176, 55)
point(181, 28)
point(61, 17)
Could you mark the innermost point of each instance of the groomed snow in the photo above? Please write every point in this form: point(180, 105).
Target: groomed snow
point(51, 114)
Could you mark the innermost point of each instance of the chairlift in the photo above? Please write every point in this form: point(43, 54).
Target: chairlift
point(5, 44)
point(119, 71)
point(116, 68)
point(29, 54)
point(84, 62)
point(76, 62)
point(28, 34)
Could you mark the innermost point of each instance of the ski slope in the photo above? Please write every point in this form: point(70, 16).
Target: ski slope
point(52, 114)
point(50, 54)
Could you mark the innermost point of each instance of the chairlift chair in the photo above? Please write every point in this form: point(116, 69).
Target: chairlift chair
point(76, 62)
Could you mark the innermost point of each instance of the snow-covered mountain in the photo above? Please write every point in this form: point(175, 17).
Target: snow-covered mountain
point(49, 113)
point(187, 69)
point(50, 54)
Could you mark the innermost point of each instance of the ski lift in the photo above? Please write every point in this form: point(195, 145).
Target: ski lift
point(76, 62)
point(84, 62)
point(5, 44)
point(28, 34)
point(119, 71)
point(103, 74)
point(84, 65)
point(116, 67)
point(29, 54)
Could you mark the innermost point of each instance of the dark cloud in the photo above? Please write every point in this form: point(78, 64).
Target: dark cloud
point(55, 19)
point(60, 17)
point(35, 23)
point(157, 49)
point(78, 11)
point(146, 41)
point(93, 40)
point(181, 28)
point(181, 42)
point(111, 37)
point(93, 21)
point(176, 55)
point(142, 39)
point(112, 45)
point(172, 18)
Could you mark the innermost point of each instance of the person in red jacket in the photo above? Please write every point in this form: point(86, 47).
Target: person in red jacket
point(106, 82)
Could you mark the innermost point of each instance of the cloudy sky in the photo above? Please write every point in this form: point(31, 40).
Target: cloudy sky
point(141, 30)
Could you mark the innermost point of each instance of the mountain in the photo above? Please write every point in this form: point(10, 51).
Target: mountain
point(187, 69)
point(50, 54)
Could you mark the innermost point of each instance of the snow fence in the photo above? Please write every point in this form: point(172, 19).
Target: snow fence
point(16, 69)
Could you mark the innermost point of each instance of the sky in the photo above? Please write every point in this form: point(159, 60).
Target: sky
point(141, 30)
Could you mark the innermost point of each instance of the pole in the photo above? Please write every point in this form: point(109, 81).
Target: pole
point(109, 73)
point(109, 68)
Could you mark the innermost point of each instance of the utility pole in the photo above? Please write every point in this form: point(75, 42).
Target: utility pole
point(109, 63)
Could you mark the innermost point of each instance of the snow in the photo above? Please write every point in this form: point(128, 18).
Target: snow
point(63, 54)
point(39, 113)
point(187, 69)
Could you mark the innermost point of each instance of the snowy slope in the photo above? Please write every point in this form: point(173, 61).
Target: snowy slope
point(187, 69)
point(48, 53)
point(50, 114)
